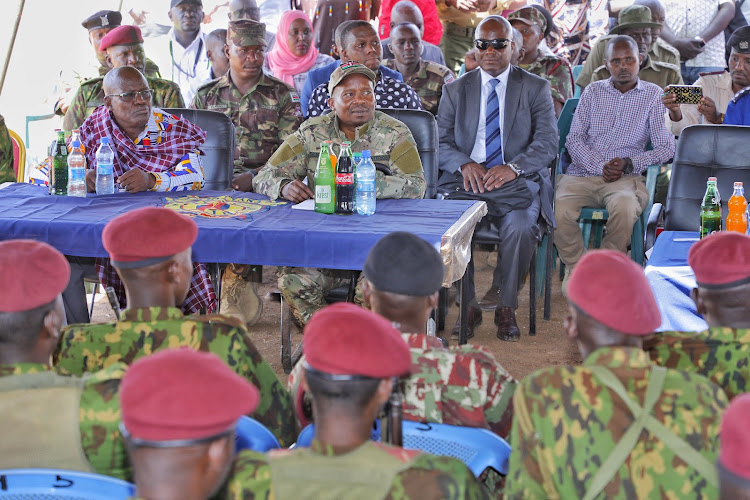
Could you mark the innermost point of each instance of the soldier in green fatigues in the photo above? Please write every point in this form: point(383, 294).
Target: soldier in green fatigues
point(531, 23)
point(617, 426)
point(721, 264)
point(352, 359)
point(425, 77)
point(49, 420)
point(7, 174)
point(152, 321)
point(124, 47)
point(354, 119)
point(265, 111)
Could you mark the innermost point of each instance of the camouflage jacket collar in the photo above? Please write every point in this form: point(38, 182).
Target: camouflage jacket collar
point(226, 81)
point(358, 132)
point(152, 314)
point(421, 72)
point(724, 333)
point(618, 357)
point(23, 369)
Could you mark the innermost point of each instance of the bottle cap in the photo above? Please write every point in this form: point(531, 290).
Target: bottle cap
point(737, 185)
point(76, 144)
point(366, 153)
point(105, 140)
point(712, 179)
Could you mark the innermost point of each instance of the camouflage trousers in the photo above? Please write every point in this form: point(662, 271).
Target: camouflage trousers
point(456, 42)
point(305, 288)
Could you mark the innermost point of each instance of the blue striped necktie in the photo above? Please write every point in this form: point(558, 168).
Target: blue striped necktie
point(493, 137)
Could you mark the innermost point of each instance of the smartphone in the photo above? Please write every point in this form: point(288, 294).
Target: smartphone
point(686, 94)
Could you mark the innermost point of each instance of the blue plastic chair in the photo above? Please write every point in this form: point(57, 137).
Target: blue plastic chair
point(252, 435)
point(477, 448)
point(31, 484)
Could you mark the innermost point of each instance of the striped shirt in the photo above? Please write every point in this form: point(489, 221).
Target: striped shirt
point(610, 124)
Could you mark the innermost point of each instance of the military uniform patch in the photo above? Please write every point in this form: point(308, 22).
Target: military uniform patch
point(294, 96)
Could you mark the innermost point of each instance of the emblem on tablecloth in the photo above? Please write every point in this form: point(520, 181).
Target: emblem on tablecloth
point(219, 207)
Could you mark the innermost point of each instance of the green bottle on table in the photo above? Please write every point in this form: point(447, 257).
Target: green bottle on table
point(60, 165)
point(710, 209)
point(325, 183)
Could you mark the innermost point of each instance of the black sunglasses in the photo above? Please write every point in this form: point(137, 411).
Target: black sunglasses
point(497, 43)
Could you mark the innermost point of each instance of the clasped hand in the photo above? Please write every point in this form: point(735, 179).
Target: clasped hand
point(480, 179)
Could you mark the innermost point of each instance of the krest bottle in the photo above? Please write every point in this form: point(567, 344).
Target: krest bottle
point(710, 209)
point(324, 183)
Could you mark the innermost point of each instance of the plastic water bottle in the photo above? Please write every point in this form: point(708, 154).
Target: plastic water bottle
point(76, 171)
point(105, 159)
point(365, 185)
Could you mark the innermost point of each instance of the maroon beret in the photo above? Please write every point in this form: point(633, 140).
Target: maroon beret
point(735, 437)
point(183, 394)
point(721, 260)
point(147, 236)
point(613, 290)
point(345, 339)
point(32, 274)
point(122, 35)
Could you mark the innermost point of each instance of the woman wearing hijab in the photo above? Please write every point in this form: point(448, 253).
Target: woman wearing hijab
point(294, 54)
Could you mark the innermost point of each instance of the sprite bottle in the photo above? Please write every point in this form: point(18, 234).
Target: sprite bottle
point(325, 183)
point(710, 209)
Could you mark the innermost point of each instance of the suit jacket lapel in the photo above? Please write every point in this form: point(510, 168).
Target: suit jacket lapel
point(471, 97)
point(512, 98)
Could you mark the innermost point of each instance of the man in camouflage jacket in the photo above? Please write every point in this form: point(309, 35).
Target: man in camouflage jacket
point(124, 47)
point(354, 119)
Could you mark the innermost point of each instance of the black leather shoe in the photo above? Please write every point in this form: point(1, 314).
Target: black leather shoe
point(475, 319)
point(507, 329)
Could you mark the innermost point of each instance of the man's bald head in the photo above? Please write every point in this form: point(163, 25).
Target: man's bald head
point(114, 79)
point(619, 42)
point(244, 9)
point(128, 98)
point(407, 11)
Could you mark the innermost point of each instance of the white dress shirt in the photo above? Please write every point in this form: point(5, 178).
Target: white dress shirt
point(478, 153)
point(189, 65)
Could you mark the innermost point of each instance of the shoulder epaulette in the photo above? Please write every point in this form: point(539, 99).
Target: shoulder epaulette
point(708, 73)
point(667, 65)
point(739, 95)
point(661, 43)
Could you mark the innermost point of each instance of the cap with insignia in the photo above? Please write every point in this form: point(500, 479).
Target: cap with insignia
point(32, 274)
point(122, 35)
point(175, 3)
point(346, 69)
point(740, 40)
point(102, 19)
point(529, 15)
point(405, 264)
point(634, 16)
point(246, 33)
point(613, 290)
point(178, 397)
point(147, 236)
point(344, 341)
point(721, 260)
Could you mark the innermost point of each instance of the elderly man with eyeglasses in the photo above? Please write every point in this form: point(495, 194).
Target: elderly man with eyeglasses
point(498, 133)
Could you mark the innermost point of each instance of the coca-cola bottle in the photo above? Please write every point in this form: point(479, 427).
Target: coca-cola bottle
point(345, 180)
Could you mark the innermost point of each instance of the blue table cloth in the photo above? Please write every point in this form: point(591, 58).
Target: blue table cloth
point(272, 235)
point(672, 279)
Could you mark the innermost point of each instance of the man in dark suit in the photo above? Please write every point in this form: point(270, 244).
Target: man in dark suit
point(497, 135)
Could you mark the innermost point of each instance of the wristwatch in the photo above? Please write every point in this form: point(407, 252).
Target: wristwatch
point(628, 168)
point(700, 40)
point(516, 170)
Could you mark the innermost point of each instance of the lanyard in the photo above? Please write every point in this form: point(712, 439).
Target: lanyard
point(179, 67)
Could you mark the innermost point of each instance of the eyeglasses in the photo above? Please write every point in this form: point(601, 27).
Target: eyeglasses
point(145, 95)
point(497, 43)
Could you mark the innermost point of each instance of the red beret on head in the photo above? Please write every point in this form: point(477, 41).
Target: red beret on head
point(345, 339)
point(122, 35)
point(147, 236)
point(182, 394)
point(613, 290)
point(32, 274)
point(735, 437)
point(721, 260)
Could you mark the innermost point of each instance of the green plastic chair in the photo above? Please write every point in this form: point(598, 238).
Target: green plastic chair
point(577, 71)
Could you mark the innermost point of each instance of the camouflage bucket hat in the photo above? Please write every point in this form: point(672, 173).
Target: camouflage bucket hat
point(247, 33)
point(346, 69)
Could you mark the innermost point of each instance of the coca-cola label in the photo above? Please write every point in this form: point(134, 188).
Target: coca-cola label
point(344, 178)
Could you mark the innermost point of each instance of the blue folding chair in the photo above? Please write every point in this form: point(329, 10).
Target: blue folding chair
point(31, 484)
point(477, 448)
point(252, 435)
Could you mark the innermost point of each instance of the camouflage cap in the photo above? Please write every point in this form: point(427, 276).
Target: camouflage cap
point(246, 33)
point(529, 15)
point(634, 16)
point(102, 19)
point(740, 40)
point(349, 68)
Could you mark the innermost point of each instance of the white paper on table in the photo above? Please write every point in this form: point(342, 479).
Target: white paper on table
point(305, 205)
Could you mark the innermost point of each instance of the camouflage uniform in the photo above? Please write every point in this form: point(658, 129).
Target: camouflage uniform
point(7, 174)
point(409, 473)
point(656, 72)
point(263, 118)
point(719, 354)
point(390, 142)
point(91, 95)
point(143, 331)
point(567, 422)
point(427, 82)
point(660, 51)
point(557, 72)
point(461, 385)
point(99, 417)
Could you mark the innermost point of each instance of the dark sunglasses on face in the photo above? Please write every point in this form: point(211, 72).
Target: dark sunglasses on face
point(497, 43)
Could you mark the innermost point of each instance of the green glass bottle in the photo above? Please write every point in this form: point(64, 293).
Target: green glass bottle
point(60, 165)
point(710, 209)
point(325, 183)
